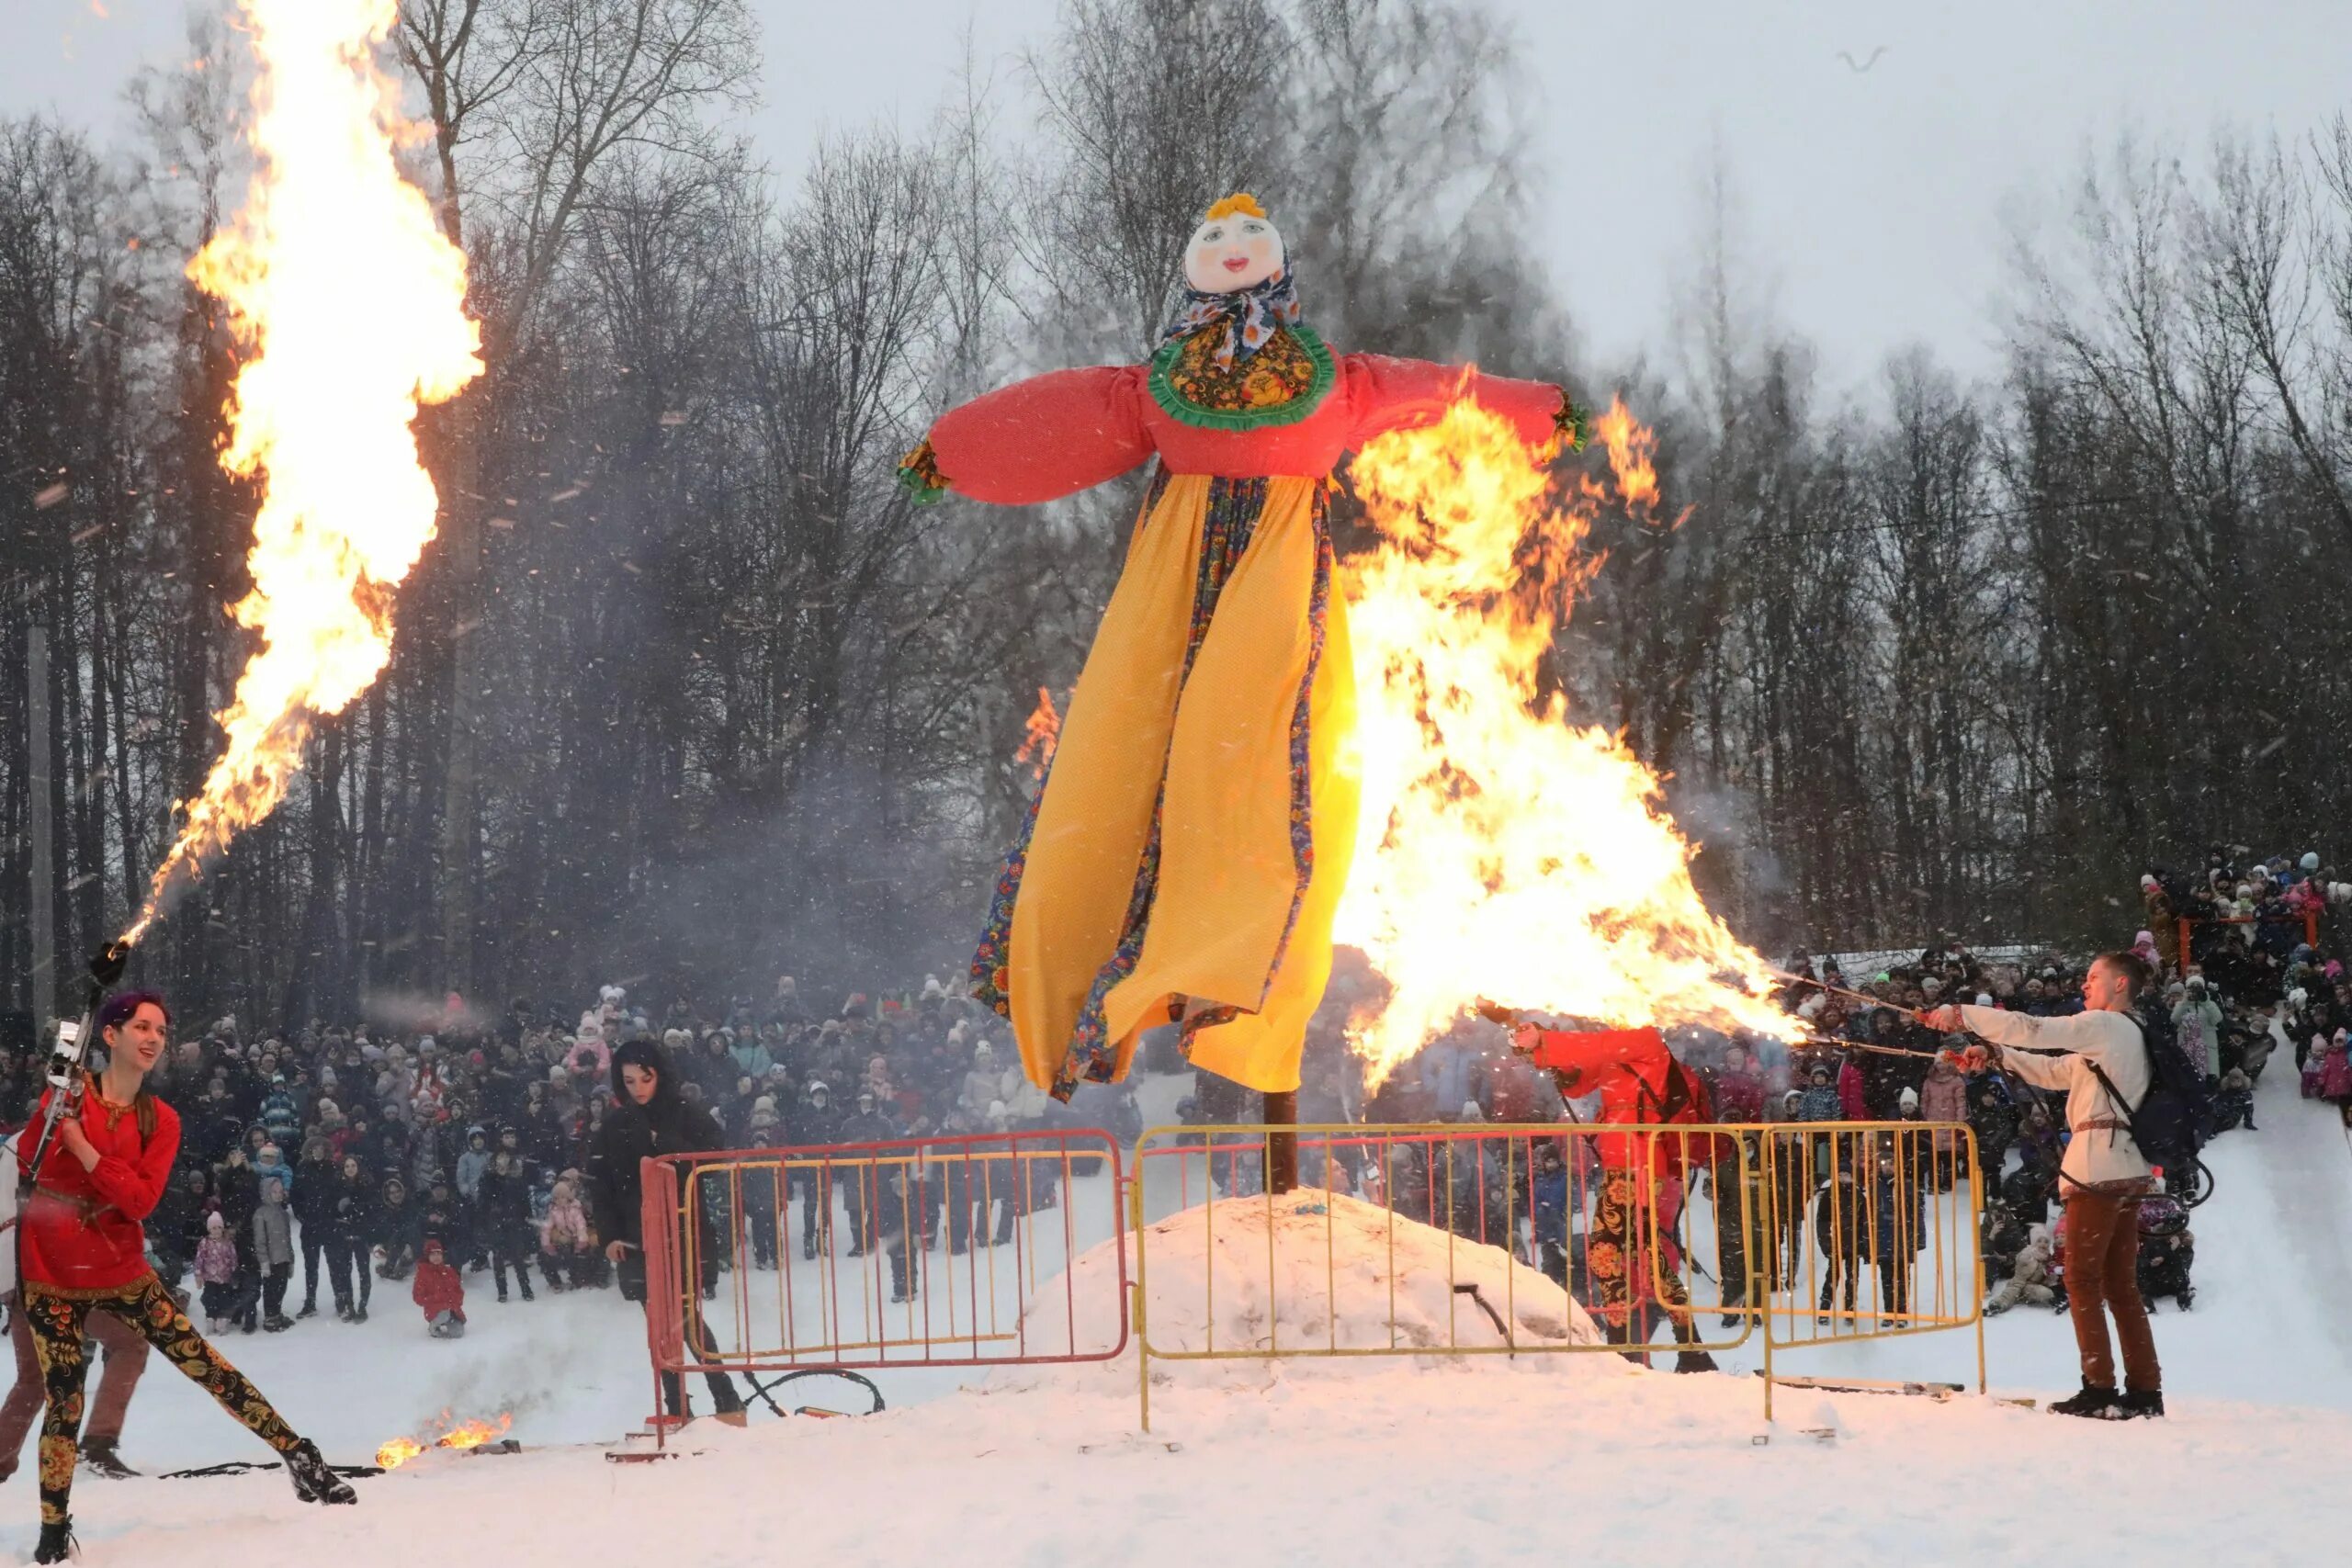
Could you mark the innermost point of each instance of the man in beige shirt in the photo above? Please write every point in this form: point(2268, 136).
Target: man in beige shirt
point(2102, 1176)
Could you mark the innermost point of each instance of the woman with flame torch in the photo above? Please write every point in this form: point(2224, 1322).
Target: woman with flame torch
point(82, 1249)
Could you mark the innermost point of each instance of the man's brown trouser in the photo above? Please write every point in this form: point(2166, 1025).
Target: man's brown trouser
point(126, 1357)
point(2103, 1271)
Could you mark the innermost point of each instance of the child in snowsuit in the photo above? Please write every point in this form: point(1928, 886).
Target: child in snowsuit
point(2028, 1280)
point(2167, 1250)
point(216, 1270)
point(274, 1253)
point(567, 1254)
point(2234, 1102)
point(440, 1293)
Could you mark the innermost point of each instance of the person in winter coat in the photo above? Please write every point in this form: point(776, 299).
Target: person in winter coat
point(440, 1293)
point(2030, 1275)
point(858, 1184)
point(982, 1085)
point(814, 1126)
point(1853, 1092)
point(279, 1112)
point(399, 1237)
point(652, 1119)
point(215, 1271)
point(569, 1256)
point(1547, 1201)
point(274, 1253)
point(1996, 1122)
point(504, 1210)
point(764, 1129)
point(1943, 1097)
point(2196, 1023)
point(2234, 1102)
point(2336, 1071)
point(346, 1231)
point(1837, 1230)
point(1820, 1101)
point(313, 1200)
point(270, 1162)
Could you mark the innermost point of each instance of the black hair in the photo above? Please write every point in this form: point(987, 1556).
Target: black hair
point(649, 1055)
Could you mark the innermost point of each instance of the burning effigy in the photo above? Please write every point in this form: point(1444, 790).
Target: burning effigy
point(1257, 720)
point(1186, 855)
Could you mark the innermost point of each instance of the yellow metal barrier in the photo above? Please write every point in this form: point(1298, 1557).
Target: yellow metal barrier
point(911, 1254)
point(1612, 1216)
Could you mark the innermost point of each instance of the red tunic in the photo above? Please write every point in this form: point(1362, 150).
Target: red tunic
point(81, 1228)
point(1068, 430)
point(1626, 1065)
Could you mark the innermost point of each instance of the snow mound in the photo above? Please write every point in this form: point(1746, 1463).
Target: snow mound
point(1310, 1270)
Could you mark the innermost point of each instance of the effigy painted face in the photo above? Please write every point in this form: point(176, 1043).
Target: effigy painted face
point(1236, 252)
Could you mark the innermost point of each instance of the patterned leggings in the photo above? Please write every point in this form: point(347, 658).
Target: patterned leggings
point(57, 1323)
point(1618, 1254)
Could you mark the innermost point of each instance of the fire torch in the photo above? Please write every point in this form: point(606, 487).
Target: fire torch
point(64, 1073)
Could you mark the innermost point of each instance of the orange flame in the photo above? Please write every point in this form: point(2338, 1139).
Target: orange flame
point(1505, 852)
point(1042, 734)
point(464, 1434)
point(352, 305)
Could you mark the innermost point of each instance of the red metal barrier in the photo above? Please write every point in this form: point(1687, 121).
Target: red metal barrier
point(922, 1252)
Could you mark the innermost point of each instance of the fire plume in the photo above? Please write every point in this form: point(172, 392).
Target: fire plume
point(350, 305)
point(1040, 736)
point(464, 1434)
point(1504, 852)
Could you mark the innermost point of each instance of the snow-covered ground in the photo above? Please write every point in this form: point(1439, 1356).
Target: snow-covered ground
point(1426, 1462)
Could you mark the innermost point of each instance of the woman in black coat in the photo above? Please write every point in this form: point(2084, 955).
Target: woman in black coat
point(649, 1118)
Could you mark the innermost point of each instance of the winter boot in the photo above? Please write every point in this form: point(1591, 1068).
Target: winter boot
point(99, 1457)
point(309, 1308)
point(57, 1543)
point(524, 1280)
point(314, 1480)
point(2136, 1407)
point(2099, 1403)
point(1694, 1362)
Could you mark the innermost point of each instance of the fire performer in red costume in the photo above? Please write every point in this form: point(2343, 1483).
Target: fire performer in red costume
point(1640, 1084)
point(83, 1249)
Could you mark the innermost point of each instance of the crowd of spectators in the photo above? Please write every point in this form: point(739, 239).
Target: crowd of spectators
point(365, 1155)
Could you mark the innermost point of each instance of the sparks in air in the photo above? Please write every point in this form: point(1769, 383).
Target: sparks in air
point(1503, 851)
point(349, 305)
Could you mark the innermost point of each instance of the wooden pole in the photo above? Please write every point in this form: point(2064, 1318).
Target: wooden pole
point(1282, 1148)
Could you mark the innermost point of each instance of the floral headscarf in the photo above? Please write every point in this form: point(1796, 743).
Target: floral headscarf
point(1250, 315)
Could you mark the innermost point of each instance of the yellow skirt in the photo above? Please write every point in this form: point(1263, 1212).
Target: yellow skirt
point(1185, 858)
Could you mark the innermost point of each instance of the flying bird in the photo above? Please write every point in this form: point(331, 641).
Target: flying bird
point(1866, 64)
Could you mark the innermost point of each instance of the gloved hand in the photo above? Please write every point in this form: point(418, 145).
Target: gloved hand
point(111, 960)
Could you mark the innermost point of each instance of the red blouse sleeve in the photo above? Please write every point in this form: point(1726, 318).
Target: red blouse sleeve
point(1404, 394)
point(1049, 437)
point(1586, 1053)
point(136, 1186)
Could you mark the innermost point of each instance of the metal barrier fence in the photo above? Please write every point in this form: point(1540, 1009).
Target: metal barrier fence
point(1765, 1230)
point(922, 1253)
point(917, 1253)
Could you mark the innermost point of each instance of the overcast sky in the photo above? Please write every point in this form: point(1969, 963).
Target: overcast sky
point(1874, 201)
